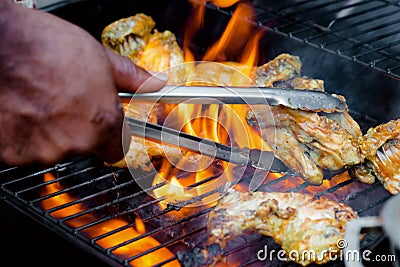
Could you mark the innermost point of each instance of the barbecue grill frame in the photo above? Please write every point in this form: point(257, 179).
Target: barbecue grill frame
point(26, 207)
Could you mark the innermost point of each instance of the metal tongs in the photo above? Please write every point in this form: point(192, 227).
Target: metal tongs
point(263, 160)
point(292, 98)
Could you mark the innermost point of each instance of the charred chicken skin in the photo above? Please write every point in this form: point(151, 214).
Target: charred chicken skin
point(381, 148)
point(297, 222)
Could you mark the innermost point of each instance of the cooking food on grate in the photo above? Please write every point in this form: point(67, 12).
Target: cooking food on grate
point(381, 148)
point(128, 36)
point(141, 151)
point(309, 142)
point(136, 38)
point(298, 222)
point(306, 141)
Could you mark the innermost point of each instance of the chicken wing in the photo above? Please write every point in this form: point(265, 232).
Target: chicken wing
point(136, 38)
point(128, 36)
point(307, 142)
point(298, 222)
point(381, 148)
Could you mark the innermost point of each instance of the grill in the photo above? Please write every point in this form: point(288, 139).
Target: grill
point(358, 40)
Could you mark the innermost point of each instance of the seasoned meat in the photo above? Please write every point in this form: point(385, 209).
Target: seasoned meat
point(222, 73)
point(308, 142)
point(128, 36)
point(141, 151)
point(297, 222)
point(381, 148)
point(283, 67)
point(307, 83)
point(161, 53)
point(136, 38)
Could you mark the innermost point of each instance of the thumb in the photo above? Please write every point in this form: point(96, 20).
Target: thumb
point(129, 77)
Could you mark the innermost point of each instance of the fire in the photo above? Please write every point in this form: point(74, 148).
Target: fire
point(131, 249)
point(223, 124)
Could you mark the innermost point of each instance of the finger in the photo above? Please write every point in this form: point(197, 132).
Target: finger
point(112, 149)
point(129, 77)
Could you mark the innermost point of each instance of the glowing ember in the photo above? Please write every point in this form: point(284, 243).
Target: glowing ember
point(142, 244)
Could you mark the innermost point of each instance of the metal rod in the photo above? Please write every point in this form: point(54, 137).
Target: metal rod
point(320, 14)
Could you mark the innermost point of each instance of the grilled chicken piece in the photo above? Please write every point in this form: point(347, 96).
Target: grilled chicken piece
point(136, 38)
point(307, 83)
point(141, 151)
point(128, 36)
point(381, 149)
point(297, 222)
point(308, 142)
point(161, 53)
point(225, 73)
point(283, 67)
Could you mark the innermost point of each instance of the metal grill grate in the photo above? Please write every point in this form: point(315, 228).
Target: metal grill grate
point(364, 31)
point(109, 194)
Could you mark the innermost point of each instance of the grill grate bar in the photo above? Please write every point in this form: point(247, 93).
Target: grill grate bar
point(245, 245)
point(309, 19)
point(8, 170)
point(297, 4)
point(106, 205)
point(372, 205)
point(352, 25)
point(334, 188)
point(326, 38)
point(365, 191)
point(166, 261)
point(71, 188)
point(213, 177)
point(249, 262)
point(127, 211)
point(29, 176)
point(372, 40)
point(360, 33)
point(60, 179)
point(312, 9)
point(165, 244)
point(36, 173)
point(389, 45)
point(392, 68)
point(159, 229)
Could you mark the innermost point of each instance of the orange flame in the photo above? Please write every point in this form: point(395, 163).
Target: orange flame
point(235, 32)
point(224, 125)
point(126, 251)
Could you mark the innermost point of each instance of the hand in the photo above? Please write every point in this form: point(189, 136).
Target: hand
point(58, 90)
